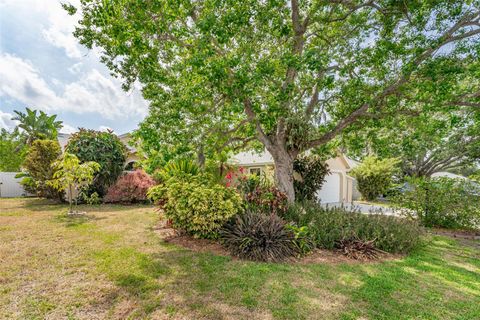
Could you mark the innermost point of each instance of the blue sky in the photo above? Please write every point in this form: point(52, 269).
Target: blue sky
point(42, 66)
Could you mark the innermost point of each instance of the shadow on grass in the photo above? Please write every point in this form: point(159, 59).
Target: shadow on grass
point(74, 220)
point(425, 284)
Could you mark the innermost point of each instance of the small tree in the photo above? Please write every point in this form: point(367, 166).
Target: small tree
point(71, 176)
point(374, 176)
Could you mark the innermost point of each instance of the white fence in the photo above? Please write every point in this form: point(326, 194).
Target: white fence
point(10, 186)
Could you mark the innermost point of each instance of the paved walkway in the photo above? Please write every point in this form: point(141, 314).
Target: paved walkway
point(364, 208)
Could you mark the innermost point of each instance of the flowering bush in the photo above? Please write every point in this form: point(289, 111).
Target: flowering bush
point(130, 188)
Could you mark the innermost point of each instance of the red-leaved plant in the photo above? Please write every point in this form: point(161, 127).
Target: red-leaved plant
point(130, 188)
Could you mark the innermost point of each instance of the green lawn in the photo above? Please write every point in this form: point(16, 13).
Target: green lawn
point(112, 265)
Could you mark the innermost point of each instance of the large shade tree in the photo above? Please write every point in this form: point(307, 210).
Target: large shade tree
point(293, 75)
point(425, 144)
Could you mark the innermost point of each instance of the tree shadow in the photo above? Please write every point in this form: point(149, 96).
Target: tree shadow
point(73, 220)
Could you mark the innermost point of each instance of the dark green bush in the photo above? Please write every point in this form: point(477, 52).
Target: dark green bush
point(328, 226)
point(106, 149)
point(310, 173)
point(442, 202)
point(259, 237)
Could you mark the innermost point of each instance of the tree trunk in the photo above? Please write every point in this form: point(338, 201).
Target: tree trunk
point(284, 173)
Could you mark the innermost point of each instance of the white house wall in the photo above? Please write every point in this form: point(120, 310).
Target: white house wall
point(10, 186)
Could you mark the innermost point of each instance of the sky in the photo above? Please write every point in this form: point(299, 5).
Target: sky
point(42, 66)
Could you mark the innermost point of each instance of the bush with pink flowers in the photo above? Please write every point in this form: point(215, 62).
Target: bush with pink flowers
point(130, 188)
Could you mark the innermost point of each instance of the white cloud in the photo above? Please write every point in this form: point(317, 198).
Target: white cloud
point(6, 121)
point(21, 81)
point(105, 128)
point(68, 129)
point(91, 93)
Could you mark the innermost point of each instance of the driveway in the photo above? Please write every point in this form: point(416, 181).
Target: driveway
point(363, 208)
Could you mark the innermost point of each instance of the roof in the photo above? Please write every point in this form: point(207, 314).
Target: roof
point(252, 158)
point(249, 158)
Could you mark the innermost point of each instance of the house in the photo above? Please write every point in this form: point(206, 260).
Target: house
point(338, 187)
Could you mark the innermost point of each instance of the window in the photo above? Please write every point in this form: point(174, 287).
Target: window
point(255, 171)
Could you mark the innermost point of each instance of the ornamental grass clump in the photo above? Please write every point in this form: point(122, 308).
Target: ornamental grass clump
point(259, 237)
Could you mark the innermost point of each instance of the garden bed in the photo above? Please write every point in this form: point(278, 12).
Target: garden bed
point(319, 256)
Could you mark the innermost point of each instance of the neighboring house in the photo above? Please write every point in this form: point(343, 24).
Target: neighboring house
point(338, 187)
point(132, 157)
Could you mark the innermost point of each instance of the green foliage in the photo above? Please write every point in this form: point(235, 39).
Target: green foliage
point(260, 237)
point(93, 199)
point(104, 148)
point(72, 176)
point(293, 76)
point(259, 194)
point(38, 168)
point(311, 171)
point(374, 176)
point(41, 126)
point(177, 168)
point(196, 204)
point(327, 227)
point(442, 202)
point(430, 142)
point(12, 150)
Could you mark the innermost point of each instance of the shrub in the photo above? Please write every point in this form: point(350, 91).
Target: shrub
point(374, 176)
point(310, 172)
point(39, 170)
point(259, 194)
point(176, 168)
point(130, 188)
point(196, 205)
point(259, 237)
point(106, 149)
point(328, 227)
point(442, 202)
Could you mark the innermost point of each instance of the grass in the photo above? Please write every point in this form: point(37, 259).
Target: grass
point(112, 265)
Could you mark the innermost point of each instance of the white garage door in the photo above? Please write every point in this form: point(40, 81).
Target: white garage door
point(330, 191)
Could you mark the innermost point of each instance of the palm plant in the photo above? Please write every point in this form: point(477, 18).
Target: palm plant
point(41, 126)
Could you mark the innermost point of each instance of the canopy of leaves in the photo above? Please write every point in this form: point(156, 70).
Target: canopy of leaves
point(292, 74)
point(106, 149)
point(428, 143)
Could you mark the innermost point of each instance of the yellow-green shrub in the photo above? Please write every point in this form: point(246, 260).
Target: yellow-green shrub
point(196, 204)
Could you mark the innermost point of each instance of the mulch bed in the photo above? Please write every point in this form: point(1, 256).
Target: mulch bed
point(173, 236)
point(461, 234)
